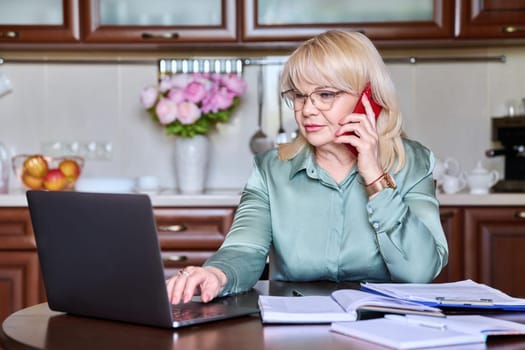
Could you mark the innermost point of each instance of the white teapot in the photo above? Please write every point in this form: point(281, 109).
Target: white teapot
point(480, 180)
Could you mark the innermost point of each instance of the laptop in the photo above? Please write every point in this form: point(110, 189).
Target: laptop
point(100, 257)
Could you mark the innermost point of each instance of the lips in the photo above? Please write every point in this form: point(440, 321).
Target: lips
point(313, 127)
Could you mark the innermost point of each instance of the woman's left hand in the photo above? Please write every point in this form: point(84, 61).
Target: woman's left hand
point(363, 136)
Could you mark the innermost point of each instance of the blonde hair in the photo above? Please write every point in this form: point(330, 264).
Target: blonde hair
point(347, 61)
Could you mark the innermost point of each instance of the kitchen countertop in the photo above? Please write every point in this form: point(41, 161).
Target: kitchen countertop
point(212, 198)
point(230, 198)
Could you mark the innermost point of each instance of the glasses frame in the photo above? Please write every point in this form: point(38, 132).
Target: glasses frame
point(291, 104)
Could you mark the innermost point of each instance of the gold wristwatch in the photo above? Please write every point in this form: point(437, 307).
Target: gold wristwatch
point(384, 181)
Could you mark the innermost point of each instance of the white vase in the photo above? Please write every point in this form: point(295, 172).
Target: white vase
point(191, 163)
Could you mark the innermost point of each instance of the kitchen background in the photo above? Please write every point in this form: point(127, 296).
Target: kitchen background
point(77, 68)
point(447, 106)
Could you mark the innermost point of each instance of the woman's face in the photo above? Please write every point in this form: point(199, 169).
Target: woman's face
point(319, 126)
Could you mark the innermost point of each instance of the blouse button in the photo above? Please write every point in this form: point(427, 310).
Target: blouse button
point(369, 209)
point(375, 225)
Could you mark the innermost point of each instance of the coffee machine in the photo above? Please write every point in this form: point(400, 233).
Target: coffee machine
point(510, 133)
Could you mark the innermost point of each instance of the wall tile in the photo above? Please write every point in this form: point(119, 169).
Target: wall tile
point(447, 107)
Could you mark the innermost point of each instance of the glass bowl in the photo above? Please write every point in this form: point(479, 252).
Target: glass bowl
point(40, 172)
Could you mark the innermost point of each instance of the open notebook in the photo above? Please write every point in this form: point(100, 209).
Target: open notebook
point(340, 305)
point(100, 257)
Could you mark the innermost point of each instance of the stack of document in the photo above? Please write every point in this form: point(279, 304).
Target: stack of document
point(414, 332)
point(467, 294)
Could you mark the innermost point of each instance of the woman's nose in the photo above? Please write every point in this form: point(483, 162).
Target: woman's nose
point(309, 107)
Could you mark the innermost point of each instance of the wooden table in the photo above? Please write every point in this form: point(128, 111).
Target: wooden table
point(37, 327)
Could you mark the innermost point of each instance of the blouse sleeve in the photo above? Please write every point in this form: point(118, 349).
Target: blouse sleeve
point(407, 223)
point(243, 254)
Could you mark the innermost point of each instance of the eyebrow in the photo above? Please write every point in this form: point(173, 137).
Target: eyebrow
point(320, 88)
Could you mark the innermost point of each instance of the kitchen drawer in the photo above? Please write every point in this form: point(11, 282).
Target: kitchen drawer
point(193, 228)
point(16, 231)
point(174, 260)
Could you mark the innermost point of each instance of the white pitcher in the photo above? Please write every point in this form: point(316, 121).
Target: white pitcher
point(449, 166)
point(4, 169)
point(453, 184)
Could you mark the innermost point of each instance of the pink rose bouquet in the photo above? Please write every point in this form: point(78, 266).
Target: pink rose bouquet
point(192, 104)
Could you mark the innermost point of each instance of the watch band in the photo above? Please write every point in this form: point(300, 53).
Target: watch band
point(382, 182)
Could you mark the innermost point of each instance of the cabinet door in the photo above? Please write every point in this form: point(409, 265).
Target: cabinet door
point(491, 19)
point(39, 21)
point(451, 219)
point(494, 246)
point(293, 20)
point(20, 284)
point(159, 21)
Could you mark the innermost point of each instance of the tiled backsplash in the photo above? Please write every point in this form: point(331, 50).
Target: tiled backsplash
point(447, 106)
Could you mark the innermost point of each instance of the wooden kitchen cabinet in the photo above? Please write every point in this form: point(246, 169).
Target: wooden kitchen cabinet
point(452, 222)
point(482, 19)
point(494, 247)
point(159, 21)
point(34, 21)
point(251, 24)
point(125, 22)
point(20, 281)
point(265, 20)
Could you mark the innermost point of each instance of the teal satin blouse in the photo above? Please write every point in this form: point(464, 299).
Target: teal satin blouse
point(315, 229)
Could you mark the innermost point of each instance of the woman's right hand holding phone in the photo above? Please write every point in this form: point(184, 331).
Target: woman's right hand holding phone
point(360, 127)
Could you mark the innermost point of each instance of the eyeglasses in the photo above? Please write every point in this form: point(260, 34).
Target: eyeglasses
point(323, 100)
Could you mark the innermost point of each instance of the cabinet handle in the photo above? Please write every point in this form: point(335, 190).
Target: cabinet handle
point(173, 228)
point(146, 35)
point(519, 215)
point(9, 34)
point(174, 258)
point(512, 29)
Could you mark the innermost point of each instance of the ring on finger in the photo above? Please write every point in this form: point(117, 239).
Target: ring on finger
point(184, 273)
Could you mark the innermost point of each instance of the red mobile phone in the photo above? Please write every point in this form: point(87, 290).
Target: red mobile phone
point(360, 108)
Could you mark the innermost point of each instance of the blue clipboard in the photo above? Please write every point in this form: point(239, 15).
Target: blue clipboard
point(442, 302)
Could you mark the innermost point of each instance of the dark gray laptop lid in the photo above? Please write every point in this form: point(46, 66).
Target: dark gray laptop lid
point(100, 255)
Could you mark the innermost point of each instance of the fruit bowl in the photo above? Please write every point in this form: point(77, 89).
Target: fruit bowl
point(39, 172)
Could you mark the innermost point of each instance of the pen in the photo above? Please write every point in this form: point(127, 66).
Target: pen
point(416, 321)
point(452, 301)
point(296, 293)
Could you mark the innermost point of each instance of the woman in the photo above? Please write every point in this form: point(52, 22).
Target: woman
point(320, 211)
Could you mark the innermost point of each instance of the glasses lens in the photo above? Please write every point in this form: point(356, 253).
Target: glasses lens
point(288, 97)
point(323, 100)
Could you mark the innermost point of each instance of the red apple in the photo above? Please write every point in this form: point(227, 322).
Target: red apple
point(36, 165)
point(70, 169)
point(33, 182)
point(55, 180)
